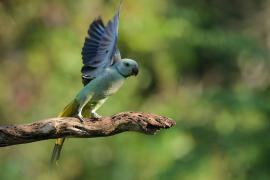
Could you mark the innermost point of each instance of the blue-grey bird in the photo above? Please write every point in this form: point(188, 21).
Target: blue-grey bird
point(103, 73)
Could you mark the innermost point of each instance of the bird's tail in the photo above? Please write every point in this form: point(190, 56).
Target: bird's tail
point(57, 151)
point(69, 111)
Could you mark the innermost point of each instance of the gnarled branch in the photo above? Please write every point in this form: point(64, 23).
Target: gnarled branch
point(71, 127)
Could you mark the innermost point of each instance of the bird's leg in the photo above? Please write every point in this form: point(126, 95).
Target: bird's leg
point(95, 108)
point(83, 99)
point(79, 115)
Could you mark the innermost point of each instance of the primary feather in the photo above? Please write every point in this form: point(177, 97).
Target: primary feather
point(100, 48)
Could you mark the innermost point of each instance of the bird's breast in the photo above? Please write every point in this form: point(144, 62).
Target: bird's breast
point(107, 85)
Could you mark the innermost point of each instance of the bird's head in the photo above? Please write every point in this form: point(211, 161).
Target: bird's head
point(127, 67)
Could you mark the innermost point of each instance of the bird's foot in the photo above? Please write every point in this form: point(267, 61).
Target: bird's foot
point(80, 118)
point(95, 115)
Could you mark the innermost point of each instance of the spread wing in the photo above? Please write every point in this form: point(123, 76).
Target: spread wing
point(100, 48)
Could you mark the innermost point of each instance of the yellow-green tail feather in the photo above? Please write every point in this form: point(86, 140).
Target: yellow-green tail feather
point(69, 111)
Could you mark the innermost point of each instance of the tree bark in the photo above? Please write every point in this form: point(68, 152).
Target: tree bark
point(59, 127)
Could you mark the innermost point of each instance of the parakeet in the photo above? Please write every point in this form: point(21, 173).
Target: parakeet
point(103, 73)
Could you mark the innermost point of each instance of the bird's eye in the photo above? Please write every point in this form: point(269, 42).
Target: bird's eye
point(126, 64)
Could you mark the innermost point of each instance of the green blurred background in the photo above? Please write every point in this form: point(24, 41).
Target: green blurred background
point(203, 63)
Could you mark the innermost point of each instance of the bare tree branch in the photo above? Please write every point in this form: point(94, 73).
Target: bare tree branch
point(71, 127)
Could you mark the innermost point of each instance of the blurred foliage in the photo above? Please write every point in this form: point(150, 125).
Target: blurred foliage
point(204, 63)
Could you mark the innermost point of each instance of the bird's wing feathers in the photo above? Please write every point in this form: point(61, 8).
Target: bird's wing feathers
point(92, 42)
point(100, 48)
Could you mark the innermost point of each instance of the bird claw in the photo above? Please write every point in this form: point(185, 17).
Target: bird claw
point(80, 118)
point(95, 115)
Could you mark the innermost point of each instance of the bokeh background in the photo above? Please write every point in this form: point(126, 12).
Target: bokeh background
point(203, 63)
